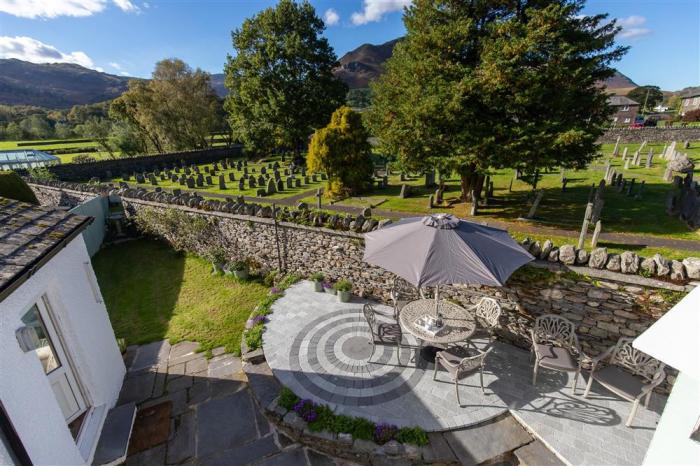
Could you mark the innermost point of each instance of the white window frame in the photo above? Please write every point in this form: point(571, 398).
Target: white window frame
point(626, 108)
point(628, 120)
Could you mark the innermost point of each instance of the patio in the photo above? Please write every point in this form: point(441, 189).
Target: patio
point(318, 347)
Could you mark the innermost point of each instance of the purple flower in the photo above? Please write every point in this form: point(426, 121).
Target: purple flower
point(306, 409)
point(384, 432)
point(259, 320)
point(275, 290)
point(327, 285)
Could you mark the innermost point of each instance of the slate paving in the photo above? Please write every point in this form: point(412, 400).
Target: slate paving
point(317, 346)
point(214, 418)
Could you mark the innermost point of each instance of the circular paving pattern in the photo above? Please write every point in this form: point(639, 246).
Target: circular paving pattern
point(332, 358)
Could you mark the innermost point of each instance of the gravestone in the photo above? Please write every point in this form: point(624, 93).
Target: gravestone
point(190, 182)
point(252, 182)
point(277, 175)
point(621, 187)
point(241, 184)
point(245, 171)
point(319, 194)
point(640, 190)
point(307, 180)
point(208, 180)
point(596, 233)
point(617, 147)
point(232, 176)
point(430, 202)
point(650, 157)
point(584, 226)
point(297, 183)
point(173, 178)
point(438, 196)
point(405, 191)
point(624, 154)
point(152, 179)
point(535, 205)
point(200, 180)
point(188, 171)
point(563, 184)
point(630, 187)
point(206, 168)
point(314, 178)
point(261, 180)
point(290, 182)
point(139, 178)
point(402, 177)
point(271, 188)
point(263, 170)
point(126, 177)
point(177, 192)
point(182, 180)
point(222, 182)
point(627, 164)
point(430, 179)
point(162, 177)
point(280, 185)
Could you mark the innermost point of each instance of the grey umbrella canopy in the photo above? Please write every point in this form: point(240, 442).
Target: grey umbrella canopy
point(442, 249)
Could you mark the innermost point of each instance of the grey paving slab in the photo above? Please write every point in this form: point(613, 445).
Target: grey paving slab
point(477, 444)
point(150, 355)
point(181, 445)
point(317, 347)
point(225, 423)
point(152, 457)
point(248, 453)
point(295, 457)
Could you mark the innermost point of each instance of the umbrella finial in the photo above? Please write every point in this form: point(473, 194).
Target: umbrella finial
point(441, 221)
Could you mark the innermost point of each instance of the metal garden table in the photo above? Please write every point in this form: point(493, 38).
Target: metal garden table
point(459, 324)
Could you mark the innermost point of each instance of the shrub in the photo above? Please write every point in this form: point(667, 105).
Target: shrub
point(239, 266)
point(287, 399)
point(42, 174)
point(693, 115)
point(253, 337)
point(82, 158)
point(343, 285)
point(306, 409)
point(14, 187)
point(384, 432)
point(316, 277)
point(412, 435)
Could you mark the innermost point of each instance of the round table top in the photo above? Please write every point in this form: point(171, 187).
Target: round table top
point(459, 324)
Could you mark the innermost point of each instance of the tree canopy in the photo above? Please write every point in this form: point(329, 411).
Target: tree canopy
point(647, 96)
point(175, 110)
point(342, 151)
point(485, 83)
point(280, 80)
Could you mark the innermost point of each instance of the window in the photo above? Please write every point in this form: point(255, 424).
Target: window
point(42, 343)
point(627, 120)
point(626, 108)
point(686, 102)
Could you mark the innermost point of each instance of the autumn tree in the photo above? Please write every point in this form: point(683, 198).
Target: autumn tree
point(341, 151)
point(175, 110)
point(490, 84)
point(648, 97)
point(280, 80)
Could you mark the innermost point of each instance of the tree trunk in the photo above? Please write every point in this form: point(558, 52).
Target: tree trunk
point(466, 179)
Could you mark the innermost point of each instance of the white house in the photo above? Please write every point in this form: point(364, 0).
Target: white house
point(61, 369)
point(675, 340)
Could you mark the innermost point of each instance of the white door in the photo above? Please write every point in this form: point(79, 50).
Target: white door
point(55, 361)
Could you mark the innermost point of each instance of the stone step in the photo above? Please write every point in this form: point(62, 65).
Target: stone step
point(487, 442)
point(116, 432)
point(537, 454)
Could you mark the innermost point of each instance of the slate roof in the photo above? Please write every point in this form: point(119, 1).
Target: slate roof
point(29, 236)
point(616, 100)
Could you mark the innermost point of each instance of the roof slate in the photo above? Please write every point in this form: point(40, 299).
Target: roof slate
point(28, 233)
point(616, 100)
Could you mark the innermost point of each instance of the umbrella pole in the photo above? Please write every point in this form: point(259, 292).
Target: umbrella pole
point(437, 293)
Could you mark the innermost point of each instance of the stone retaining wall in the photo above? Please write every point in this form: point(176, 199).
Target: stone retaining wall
point(106, 169)
point(638, 135)
point(605, 304)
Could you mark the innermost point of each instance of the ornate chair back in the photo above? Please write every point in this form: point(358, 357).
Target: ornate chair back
point(401, 290)
point(489, 311)
point(370, 317)
point(638, 363)
point(472, 362)
point(555, 330)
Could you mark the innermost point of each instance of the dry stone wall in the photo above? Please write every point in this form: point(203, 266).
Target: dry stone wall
point(604, 304)
point(638, 135)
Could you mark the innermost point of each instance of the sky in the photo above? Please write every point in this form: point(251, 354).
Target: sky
point(128, 37)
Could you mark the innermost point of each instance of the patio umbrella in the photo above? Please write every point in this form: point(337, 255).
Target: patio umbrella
point(442, 249)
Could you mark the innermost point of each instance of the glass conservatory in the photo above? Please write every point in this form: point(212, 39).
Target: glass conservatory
point(26, 158)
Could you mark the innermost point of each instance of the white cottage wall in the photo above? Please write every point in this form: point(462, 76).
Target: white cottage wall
point(88, 337)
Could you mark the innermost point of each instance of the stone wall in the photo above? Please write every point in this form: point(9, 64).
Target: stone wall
point(638, 135)
point(106, 169)
point(604, 304)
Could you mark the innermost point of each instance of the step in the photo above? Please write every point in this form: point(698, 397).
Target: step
point(537, 454)
point(488, 441)
point(116, 432)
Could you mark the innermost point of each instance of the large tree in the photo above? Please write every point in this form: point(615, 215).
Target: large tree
point(482, 83)
point(175, 110)
point(281, 78)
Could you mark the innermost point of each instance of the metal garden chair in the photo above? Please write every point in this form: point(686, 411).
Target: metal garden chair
point(458, 365)
point(555, 346)
point(382, 333)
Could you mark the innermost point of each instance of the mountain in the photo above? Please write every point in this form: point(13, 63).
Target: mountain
point(55, 85)
point(364, 64)
point(217, 83)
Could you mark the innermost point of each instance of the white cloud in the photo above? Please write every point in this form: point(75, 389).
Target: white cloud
point(115, 65)
point(124, 73)
point(331, 17)
point(633, 27)
point(374, 10)
point(32, 50)
point(54, 8)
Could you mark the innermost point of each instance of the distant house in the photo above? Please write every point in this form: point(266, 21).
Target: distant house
point(675, 340)
point(626, 110)
point(61, 367)
point(689, 103)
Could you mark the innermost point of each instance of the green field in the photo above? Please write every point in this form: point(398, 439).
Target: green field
point(154, 293)
point(254, 168)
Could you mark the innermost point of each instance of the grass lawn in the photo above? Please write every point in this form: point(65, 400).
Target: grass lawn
point(232, 186)
point(153, 293)
point(560, 209)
